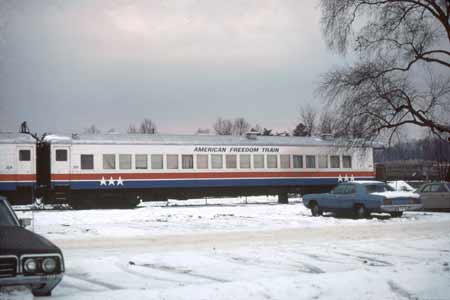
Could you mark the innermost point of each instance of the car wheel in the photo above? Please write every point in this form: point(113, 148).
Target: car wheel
point(360, 212)
point(396, 214)
point(315, 210)
point(44, 293)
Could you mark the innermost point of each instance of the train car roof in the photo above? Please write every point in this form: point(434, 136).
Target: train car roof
point(16, 138)
point(194, 139)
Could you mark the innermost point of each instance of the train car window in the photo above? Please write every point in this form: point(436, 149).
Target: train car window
point(141, 161)
point(298, 161)
point(172, 161)
point(310, 161)
point(285, 161)
point(335, 161)
point(202, 161)
point(24, 155)
point(216, 161)
point(157, 161)
point(258, 161)
point(87, 161)
point(109, 161)
point(346, 161)
point(244, 161)
point(124, 161)
point(272, 161)
point(231, 161)
point(61, 155)
point(187, 161)
point(323, 161)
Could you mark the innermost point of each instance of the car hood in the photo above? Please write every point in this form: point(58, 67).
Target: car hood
point(392, 195)
point(16, 240)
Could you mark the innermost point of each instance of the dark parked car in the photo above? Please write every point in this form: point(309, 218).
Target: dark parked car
point(360, 198)
point(435, 196)
point(26, 258)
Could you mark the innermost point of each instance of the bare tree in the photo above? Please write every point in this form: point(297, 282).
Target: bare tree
point(147, 127)
point(112, 130)
point(132, 129)
point(202, 131)
point(223, 127)
point(92, 130)
point(240, 126)
point(327, 122)
point(256, 128)
point(308, 117)
point(402, 73)
point(267, 132)
point(300, 130)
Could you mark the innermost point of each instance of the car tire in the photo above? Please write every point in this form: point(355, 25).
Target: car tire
point(44, 293)
point(360, 212)
point(315, 210)
point(396, 214)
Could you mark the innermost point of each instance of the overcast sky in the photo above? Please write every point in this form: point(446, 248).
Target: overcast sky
point(65, 65)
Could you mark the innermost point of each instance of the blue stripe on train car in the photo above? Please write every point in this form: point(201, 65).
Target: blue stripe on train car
point(12, 186)
point(135, 184)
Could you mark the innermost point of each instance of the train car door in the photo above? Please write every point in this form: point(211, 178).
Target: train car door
point(25, 174)
point(7, 167)
point(60, 165)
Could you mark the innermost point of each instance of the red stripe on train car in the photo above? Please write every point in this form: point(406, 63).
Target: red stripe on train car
point(207, 175)
point(17, 177)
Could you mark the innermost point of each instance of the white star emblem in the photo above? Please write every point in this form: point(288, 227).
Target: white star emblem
point(340, 178)
point(346, 178)
point(119, 181)
point(111, 181)
point(103, 181)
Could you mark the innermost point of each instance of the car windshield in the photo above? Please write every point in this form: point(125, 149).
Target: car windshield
point(378, 188)
point(6, 218)
point(448, 186)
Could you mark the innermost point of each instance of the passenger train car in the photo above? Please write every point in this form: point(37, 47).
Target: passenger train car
point(17, 167)
point(116, 170)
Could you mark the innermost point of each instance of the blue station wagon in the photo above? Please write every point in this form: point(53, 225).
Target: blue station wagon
point(360, 198)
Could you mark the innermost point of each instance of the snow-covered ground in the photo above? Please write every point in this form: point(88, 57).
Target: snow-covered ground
point(261, 250)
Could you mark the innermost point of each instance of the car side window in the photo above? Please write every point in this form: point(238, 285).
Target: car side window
point(340, 189)
point(350, 189)
point(426, 189)
point(442, 189)
point(435, 188)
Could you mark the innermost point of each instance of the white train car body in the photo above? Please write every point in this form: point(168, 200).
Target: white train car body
point(17, 166)
point(182, 166)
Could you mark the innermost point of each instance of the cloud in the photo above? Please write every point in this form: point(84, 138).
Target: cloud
point(250, 33)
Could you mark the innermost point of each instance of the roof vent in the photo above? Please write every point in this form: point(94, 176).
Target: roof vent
point(251, 135)
point(327, 136)
point(75, 136)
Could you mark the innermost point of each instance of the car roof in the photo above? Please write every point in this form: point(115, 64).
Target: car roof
point(364, 182)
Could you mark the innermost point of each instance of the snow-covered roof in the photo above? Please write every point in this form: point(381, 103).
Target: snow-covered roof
point(16, 138)
point(174, 139)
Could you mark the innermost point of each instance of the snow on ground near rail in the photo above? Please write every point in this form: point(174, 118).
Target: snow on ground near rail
point(237, 251)
point(230, 214)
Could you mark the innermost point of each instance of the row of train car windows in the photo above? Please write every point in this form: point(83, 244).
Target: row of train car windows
point(217, 161)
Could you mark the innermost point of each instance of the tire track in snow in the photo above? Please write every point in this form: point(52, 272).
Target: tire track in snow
point(400, 291)
point(182, 272)
point(84, 277)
